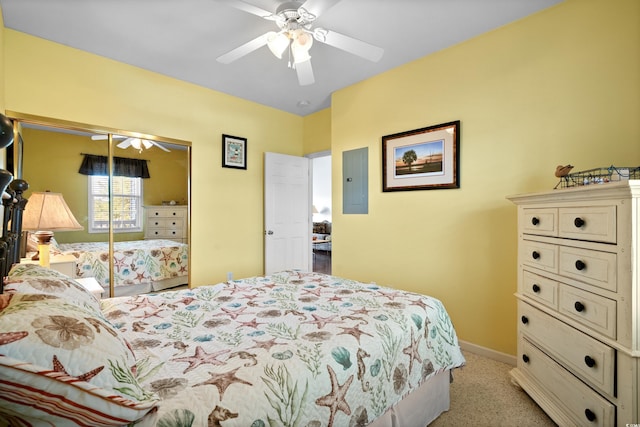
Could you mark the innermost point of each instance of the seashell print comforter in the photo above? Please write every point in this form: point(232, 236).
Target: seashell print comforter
point(135, 262)
point(290, 349)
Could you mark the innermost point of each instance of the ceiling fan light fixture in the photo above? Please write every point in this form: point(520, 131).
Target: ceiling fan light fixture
point(300, 46)
point(135, 143)
point(147, 144)
point(278, 43)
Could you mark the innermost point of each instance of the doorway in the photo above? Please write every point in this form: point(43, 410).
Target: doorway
point(322, 211)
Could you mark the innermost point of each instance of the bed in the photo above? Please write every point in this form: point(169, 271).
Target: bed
point(289, 349)
point(140, 266)
point(308, 349)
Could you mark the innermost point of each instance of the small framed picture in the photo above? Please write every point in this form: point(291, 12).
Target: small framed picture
point(422, 159)
point(234, 152)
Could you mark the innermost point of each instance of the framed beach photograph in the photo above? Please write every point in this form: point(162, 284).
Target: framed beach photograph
point(234, 152)
point(422, 159)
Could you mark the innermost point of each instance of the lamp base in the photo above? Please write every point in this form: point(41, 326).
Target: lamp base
point(44, 238)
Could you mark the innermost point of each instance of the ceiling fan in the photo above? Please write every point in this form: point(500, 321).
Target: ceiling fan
point(137, 143)
point(296, 34)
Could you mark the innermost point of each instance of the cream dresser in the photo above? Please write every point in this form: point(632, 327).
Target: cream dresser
point(166, 222)
point(579, 303)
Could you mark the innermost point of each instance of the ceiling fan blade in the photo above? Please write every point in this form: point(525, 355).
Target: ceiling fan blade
point(243, 50)
point(125, 144)
point(305, 73)
point(249, 8)
point(104, 137)
point(349, 44)
point(160, 146)
point(318, 7)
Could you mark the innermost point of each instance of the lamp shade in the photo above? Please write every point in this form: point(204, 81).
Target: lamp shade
point(48, 211)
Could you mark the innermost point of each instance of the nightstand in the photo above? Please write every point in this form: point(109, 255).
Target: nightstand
point(65, 264)
point(92, 285)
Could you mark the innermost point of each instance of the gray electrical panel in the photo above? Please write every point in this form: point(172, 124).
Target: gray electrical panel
point(355, 181)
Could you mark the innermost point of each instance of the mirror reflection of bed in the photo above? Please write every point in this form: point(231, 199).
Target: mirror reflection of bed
point(150, 215)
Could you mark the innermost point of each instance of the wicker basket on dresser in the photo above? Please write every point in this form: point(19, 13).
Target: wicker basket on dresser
point(166, 222)
point(579, 302)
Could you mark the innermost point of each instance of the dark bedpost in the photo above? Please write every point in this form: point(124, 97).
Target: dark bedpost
point(18, 187)
point(5, 179)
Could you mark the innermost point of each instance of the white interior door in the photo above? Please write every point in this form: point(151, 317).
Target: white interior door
point(287, 213)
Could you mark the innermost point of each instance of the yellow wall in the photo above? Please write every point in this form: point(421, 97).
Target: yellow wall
point(558, 87)
point(317, 131)
point(52, 160)
point(51, 80)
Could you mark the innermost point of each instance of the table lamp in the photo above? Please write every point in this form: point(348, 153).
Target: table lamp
point(45, 213)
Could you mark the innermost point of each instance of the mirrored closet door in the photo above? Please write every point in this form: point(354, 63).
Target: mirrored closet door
point(129, 192)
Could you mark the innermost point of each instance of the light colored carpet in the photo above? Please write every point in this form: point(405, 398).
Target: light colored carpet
point(482, 395)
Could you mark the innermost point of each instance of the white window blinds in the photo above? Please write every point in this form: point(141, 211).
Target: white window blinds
point(127, 204)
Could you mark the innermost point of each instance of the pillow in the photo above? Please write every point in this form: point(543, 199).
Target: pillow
point(35, 279)
point(60, 364)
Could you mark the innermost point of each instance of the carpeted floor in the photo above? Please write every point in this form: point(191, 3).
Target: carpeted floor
point(482, 395)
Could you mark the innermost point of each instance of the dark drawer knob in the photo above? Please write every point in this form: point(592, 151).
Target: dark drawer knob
point(589, 361)
point(157, 213)
point(525, 358)
point(535, 221)
point(174, 214)
point(578, 222)
point(591, 416)
point(524, 319)
point(536, 288)
point(535, 255)
point(580, 265)
point(579, 306)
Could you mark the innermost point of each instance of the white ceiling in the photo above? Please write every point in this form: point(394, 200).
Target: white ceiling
point(182, 39)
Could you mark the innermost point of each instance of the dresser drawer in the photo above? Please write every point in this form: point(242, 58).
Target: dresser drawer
point(162, 233)
point(593, 267)
point(171, 223)
point(539, 255)
point(596, 223)
point(594, 311)
point(540, 288)
point(581, 403)
point(166, 213)
point(586, 357)
point(540, 221)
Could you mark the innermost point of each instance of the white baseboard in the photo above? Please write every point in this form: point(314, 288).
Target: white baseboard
point(487, 352)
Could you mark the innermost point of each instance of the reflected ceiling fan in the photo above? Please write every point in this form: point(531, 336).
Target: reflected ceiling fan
point(137, 143)
point(296, 34)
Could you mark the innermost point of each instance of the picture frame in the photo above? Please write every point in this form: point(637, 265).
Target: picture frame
point(234, 152)
point(422, 159)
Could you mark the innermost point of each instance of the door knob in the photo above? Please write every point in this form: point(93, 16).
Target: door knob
point(269, 232)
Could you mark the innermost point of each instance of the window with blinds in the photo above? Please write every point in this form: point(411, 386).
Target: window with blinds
point(127, 204)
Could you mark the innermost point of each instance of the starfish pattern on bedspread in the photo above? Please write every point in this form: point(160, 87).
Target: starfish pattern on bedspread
point(201, 357)
point(223, 380)
point(7, 337)
point(335, 400)
point(412, 350)
point(57, 367)
point(142, 303)
point(354, 331)
point(320, 321)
